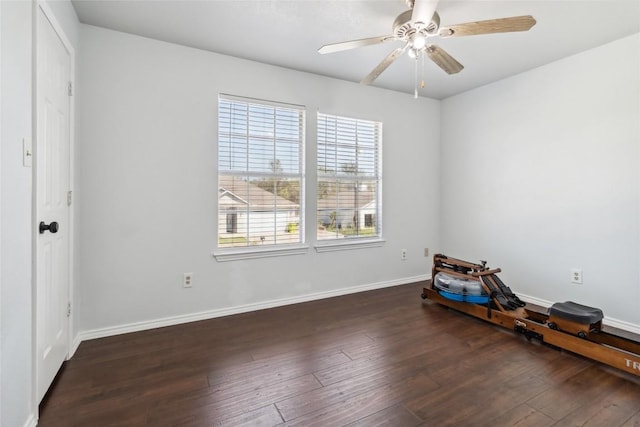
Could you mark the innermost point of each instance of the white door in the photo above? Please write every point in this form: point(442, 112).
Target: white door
point(52, 228)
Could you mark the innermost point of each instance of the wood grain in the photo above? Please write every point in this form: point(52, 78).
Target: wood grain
point(382, 357)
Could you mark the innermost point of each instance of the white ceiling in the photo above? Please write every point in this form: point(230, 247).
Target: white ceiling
point(288, 33)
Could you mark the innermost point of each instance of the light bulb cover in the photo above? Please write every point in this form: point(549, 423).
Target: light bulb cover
point(418, 42)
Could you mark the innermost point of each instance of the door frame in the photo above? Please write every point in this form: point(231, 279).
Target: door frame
point(44, 8)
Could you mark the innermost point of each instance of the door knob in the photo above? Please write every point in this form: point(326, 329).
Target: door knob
point(53, 227)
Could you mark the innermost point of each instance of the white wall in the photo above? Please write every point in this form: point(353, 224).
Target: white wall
point(16, 392)
point(66, 16)
point(147, 193)
point(540, 175)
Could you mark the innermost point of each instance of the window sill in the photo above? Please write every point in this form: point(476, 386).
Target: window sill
point(341, 246)
point(236, 254)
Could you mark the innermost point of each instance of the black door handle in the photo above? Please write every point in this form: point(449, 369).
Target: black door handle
point(53, 227)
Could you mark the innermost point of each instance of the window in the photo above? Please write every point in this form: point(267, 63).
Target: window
point(349, 178)
point(260, 173)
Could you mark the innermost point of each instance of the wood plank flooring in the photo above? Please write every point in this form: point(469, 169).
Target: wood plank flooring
point(383, 357)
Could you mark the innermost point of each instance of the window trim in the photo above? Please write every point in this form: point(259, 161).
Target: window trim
point(354, 242)
point(346, 244)
point(232, 253)
point(241, 253)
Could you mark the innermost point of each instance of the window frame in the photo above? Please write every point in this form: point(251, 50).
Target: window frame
point(351, 242)
point(249, 251)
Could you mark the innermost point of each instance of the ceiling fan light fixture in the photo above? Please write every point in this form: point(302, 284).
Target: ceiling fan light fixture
point(413, 53)
point(418, 42)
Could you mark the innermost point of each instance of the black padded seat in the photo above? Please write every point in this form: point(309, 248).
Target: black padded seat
point(576, 312)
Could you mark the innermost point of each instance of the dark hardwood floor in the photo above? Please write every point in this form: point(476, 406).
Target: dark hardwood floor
point(383, 357)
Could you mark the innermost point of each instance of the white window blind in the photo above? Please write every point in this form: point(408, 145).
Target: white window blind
point(349, 178)
point(260, 173)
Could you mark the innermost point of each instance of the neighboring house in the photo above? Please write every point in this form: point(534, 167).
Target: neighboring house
point(340, 209)
point(248, 211)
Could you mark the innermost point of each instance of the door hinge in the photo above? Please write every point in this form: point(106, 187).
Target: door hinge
point(70, 89)
point(68, 309)
point(69, 198)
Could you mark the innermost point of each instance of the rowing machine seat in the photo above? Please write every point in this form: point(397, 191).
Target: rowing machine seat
point(576, 312)
point(575, 318)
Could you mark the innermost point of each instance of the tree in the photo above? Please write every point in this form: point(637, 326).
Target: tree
point(352, 169)
point(325, 186)
point(276, 166)
point(281, 187)
point(332, 218)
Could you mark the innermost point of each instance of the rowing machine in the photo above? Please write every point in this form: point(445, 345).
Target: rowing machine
point(476, 290)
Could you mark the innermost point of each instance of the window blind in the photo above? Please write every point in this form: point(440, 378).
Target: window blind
point(349, 177)
point(260, 172)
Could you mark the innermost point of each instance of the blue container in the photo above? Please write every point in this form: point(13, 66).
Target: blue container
point(474, 299)
point(458, 289)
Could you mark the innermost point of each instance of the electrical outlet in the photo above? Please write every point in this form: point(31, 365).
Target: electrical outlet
point(576, 276)
point(426, 251)
point(403, 255)
point(187, 280)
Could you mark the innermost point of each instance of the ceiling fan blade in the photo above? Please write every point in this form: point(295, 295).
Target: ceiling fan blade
point(502, 25)
point(383, 65)
point(443, 59)
point(337, 47)
point(423, 11)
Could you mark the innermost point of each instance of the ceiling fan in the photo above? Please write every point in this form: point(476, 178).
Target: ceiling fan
point(419, 24)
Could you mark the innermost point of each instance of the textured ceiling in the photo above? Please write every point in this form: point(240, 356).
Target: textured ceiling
point(288, 34)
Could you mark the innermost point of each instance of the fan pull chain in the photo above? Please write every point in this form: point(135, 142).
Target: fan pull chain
point(415, 90)
point(422, 72)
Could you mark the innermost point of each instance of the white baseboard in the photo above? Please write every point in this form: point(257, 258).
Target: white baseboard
point(74, 346)
point(31, 421)
point(204, 315)
point(609, 321)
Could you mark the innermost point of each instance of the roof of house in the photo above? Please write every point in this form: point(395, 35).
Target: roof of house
point(346, 199)
point(235, 191)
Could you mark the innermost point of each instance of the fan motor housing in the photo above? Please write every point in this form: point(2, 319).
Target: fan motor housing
point(404, 28)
